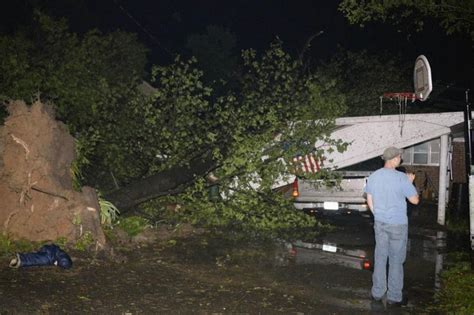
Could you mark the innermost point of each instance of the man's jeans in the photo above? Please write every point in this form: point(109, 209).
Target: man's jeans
point(391, 243)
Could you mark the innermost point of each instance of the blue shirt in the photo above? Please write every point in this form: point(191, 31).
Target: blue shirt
point(389, 189)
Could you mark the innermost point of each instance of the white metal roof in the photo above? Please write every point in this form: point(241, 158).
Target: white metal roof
point(370, 135)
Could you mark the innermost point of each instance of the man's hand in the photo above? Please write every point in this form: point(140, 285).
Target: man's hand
point(414, 199)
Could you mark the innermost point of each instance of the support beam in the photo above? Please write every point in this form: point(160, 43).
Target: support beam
point(471, 209)
point(443, 182)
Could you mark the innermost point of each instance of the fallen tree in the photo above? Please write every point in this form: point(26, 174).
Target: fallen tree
point(168, 182)
point(135, 146)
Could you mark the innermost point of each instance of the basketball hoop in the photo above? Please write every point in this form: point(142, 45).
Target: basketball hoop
point(423, 87)
point(401, 95)
point(401, 99)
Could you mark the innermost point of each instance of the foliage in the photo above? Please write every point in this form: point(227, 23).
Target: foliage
point(163, 210)
point(108, 212)
point(88, 78)
point(5, 245)
point(457, 291)
point(109, 233)
point(3, 112)
point(79, 163)
point(362, 78)
point(79, 74)
point(77, 220)
point(84, 242)
point(61, 242)
point(278, 113)
point(458, 224)
point(273, 111)
point(133, 225)
point(454, 16)
point(9, 246)
point(248, 211)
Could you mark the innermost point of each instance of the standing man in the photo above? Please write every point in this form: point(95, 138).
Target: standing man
point(387, 190)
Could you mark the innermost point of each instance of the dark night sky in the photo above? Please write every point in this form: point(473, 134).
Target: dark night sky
point(166, 24)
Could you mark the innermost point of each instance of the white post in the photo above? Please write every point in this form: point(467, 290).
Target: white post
point(443, 169)
point(471, 209)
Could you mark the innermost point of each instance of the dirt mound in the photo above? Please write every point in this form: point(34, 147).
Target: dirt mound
point(37, 199)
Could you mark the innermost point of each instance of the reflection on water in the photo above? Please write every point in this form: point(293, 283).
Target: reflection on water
point(425, 254)
point(428, 246)
point(305, 253)
point(440, 250)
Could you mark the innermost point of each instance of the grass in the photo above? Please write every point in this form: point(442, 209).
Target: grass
point(457, 291)
point(133, 225)
point(9, 247)
point(458, 225)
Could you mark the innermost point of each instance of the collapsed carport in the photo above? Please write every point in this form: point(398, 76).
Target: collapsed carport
point(368, 136)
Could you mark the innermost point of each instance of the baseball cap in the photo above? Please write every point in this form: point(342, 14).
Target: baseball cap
point(391, 152)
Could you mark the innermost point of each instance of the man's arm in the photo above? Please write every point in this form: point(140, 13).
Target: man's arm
point(413, 199)
point(370, 202)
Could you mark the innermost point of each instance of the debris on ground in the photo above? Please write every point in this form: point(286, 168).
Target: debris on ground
point(48, 255)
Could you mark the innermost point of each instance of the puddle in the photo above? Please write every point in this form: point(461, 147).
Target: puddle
point(352, 245)
point(304, 253)
point(336, 266)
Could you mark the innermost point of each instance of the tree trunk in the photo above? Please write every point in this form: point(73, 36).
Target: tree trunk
point(172, 181)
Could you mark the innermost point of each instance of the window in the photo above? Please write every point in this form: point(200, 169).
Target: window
point(426, 153)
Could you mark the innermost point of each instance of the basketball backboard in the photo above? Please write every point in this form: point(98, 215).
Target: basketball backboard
point(421, 81)
point(422, 78)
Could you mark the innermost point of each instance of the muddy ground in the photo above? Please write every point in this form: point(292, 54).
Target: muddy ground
point(212, 274)
point(37, 199)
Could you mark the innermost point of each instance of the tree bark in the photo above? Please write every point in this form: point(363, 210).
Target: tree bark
point(168, 182)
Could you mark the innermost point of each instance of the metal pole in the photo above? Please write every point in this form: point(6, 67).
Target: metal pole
point(467, 137)
point(469, 168)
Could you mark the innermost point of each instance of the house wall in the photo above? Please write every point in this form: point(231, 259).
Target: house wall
point(459, 167)
point(427, 177)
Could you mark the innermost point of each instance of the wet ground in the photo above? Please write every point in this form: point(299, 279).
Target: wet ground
point(214, 275)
